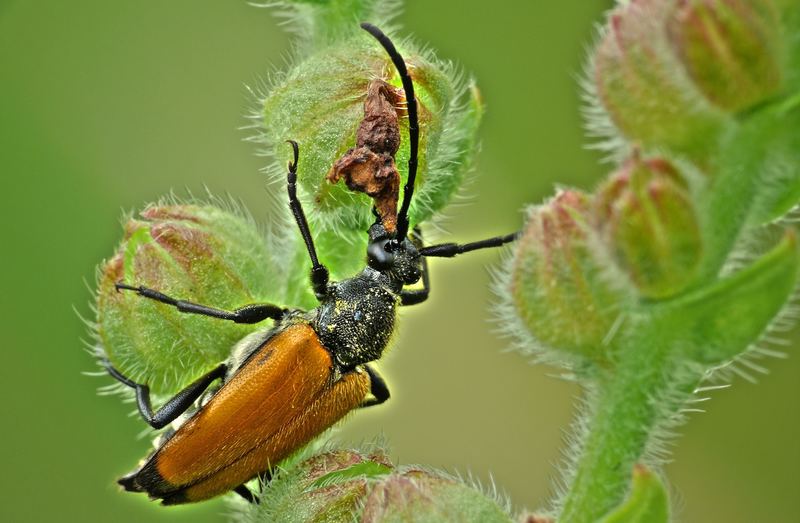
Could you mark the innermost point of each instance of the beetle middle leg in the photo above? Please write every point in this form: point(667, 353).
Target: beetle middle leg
point(253, 313)
point(263, 480)
point(246, 493)
point(377, 387)
point(176, 405)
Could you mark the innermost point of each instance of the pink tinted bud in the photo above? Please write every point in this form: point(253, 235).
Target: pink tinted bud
point(559, 288)
point(647, 220)
point(732, 49)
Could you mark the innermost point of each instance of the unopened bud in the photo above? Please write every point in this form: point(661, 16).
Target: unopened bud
point(347, 485)
point(647, 220)
point(320, 103)
point(559, 289)
point(732, 49)
point(194, 253)
point(642, 85)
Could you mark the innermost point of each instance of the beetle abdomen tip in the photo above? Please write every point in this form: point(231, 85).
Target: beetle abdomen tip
point(128, 482)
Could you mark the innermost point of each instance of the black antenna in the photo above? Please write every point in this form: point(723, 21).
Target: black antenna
point(413, 126)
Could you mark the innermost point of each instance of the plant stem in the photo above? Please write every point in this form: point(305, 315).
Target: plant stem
point(624, 414)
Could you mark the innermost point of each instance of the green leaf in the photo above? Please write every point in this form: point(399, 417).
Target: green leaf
point(646, 503)
point(779, 172)
point(721, 320)
point(365, 469)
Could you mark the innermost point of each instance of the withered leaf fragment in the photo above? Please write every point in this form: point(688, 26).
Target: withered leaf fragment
point(370, 166)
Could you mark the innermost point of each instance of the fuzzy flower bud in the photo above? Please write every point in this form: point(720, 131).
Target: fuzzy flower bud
point(320, 103)
point(558, 288)
point(346, 486)
point(194, 253)
point(731, 49)
point(647, 219)
point(642, 86)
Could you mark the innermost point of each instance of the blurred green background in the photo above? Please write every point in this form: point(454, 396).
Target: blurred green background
point(105, 106)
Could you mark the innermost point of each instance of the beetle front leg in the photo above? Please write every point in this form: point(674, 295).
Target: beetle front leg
point(175, 406)
point(415, 296)
point(377, 387)
point(448, 250)
point(254, 313)
point(319, 273)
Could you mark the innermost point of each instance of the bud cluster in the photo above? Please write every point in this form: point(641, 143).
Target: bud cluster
point(582, 257)
point(683, 81)
point(672, 74)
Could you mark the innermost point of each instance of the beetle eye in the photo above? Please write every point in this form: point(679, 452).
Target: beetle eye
point(378, 256)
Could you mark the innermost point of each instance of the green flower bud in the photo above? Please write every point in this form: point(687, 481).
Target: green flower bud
point(558, 287)
point(412, 495)
point(647, 219)
point(195, 253)
point(347, 485)
point(642, 85)
point(730, 48)
point(319, 103)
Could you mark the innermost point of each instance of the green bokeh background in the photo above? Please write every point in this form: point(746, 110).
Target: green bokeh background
point(105, 106)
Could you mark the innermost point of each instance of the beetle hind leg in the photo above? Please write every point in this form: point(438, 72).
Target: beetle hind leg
point(247, 494)
point(263, 483)
point(175, 406)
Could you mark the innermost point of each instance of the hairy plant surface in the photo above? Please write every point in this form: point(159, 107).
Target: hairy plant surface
point(665, 281)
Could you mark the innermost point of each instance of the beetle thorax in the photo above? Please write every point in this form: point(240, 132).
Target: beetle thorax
point(356, 319)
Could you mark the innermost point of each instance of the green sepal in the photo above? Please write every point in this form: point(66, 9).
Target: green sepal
point(647, 501)
point(720, 321)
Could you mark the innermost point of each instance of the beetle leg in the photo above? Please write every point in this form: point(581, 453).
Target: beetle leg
point(448, 250)
point(377, 387)
point(319, 273)
point(246, 493)
point(414, 296)
point(175, 406)
point(263, 480)
point(252, 313)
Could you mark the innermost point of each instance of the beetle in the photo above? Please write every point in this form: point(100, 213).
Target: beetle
point(281, 388)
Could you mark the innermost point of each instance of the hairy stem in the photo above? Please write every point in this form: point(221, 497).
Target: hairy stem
point(649, 385)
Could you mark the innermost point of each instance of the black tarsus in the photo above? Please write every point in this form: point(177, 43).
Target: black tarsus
point(413, 125)
point(377, 387)
point(448, 250)
point(176, 405)
point(319, 273)
point(253, 313)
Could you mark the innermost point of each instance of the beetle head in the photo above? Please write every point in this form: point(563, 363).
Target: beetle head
point(400, 260)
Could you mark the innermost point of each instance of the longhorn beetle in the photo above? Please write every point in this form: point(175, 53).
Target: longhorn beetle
point(285, 386)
